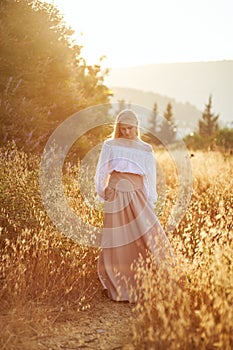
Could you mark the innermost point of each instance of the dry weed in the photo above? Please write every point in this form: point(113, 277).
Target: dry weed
point(187, 306)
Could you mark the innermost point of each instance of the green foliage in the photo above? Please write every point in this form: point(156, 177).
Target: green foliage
point(44, 79)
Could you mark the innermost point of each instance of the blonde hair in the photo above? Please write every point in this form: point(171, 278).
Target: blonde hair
point(126, 116)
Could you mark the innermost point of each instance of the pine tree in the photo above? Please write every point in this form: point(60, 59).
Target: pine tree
point(153, 119)
point(208, 124)
point(168, 127)
point(122, 105)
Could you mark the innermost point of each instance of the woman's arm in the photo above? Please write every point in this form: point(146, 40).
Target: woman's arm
point(151, 177)
point(102, 171)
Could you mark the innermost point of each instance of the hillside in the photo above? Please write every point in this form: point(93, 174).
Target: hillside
point(186, 116)
point(185, 82)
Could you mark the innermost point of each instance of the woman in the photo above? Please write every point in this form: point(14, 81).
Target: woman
point(126, 181)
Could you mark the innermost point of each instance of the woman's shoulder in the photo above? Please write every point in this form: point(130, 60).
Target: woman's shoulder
point(108, 142)
point(120, 142)
point(145, 146)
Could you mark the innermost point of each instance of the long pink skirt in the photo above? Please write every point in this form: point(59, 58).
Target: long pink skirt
point(131, 230)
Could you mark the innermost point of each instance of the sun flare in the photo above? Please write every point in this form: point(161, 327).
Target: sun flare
point(132, 33)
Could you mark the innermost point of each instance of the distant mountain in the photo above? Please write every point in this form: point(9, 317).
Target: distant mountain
point(188, 83)
point(186, 116)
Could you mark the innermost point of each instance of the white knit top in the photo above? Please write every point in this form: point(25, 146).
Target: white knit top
point(128, 156)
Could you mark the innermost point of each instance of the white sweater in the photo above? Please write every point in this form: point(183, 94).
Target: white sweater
point(128, 156)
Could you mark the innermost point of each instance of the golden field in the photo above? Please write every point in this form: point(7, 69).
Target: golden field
point(48, 280)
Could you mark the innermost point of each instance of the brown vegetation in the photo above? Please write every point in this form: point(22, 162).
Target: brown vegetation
point(50, 294)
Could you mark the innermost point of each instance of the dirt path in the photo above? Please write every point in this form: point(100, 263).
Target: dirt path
point(106, 326)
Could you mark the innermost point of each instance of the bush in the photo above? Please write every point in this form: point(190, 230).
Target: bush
point(221, 140)
point(225, 139)
point(37, 261)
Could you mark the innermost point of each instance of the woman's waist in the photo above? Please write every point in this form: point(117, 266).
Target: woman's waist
point(126, 166)
point(125, 181)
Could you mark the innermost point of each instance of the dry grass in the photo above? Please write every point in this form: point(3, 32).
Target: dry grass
point(45, 276)
point(190, 306)
point(41, 271)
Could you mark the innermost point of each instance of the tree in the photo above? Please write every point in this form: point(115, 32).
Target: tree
point(168, 128)
point(150, 136)
point(43, 77)
point(153, 119)
point(122, 105)
point(208, 125)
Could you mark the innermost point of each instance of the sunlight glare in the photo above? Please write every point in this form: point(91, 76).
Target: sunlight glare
point(131, 33)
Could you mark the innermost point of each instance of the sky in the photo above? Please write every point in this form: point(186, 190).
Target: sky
point(139, 32)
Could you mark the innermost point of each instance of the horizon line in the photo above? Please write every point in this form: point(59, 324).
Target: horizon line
point(168, 63)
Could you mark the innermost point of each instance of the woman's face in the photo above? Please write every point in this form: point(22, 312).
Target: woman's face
point(128, 131)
